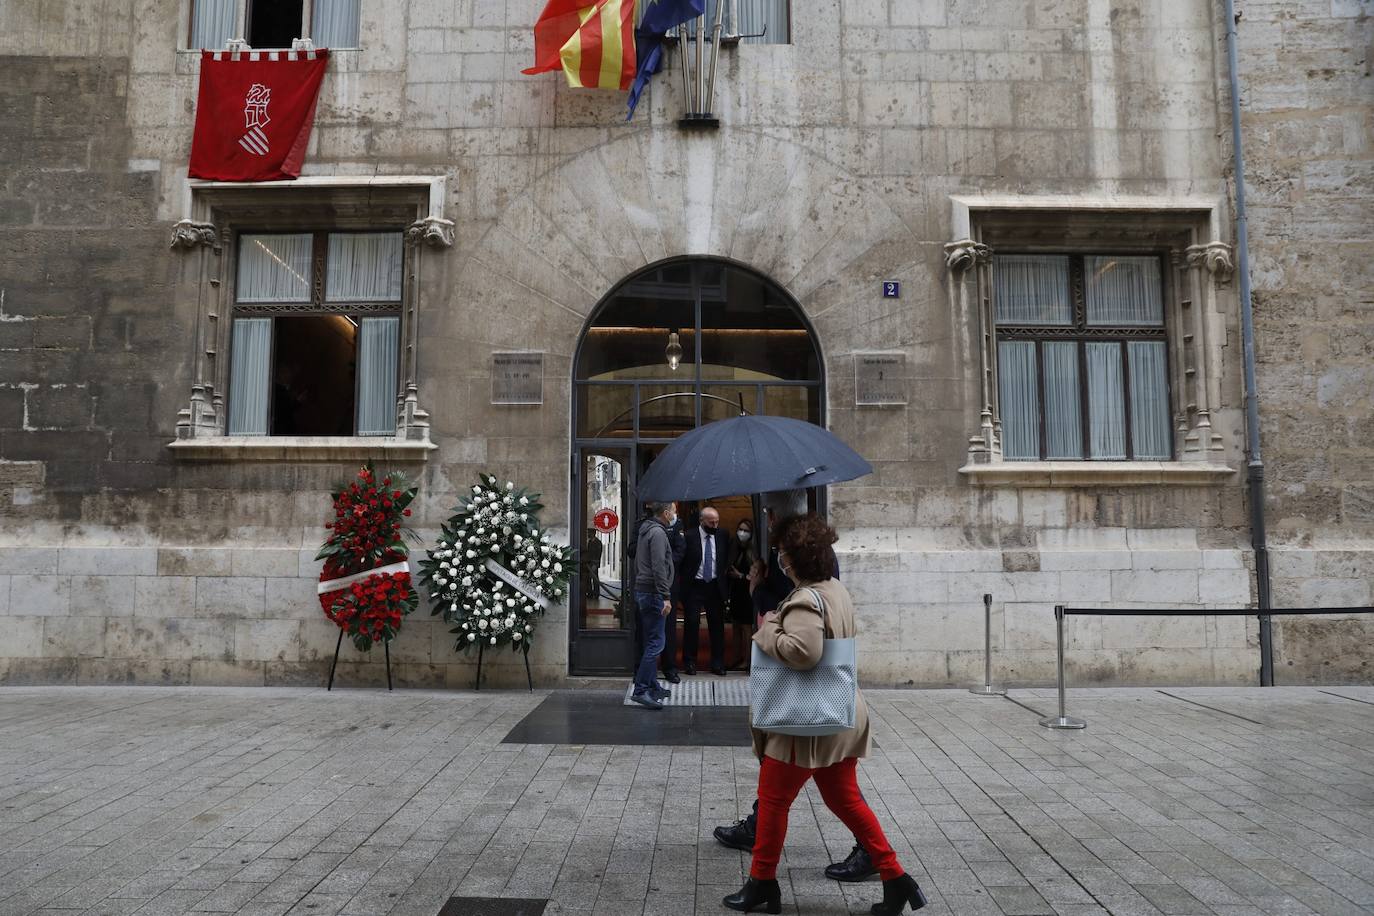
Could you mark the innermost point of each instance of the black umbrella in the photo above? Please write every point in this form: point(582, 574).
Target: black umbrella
point(746, 455)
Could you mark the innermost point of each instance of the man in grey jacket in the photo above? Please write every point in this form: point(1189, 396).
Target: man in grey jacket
point(653, 588)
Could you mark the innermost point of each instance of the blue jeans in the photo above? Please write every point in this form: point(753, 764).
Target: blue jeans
point(651, 629)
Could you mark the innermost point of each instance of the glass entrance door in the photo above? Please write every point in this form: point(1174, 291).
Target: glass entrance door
point(604, 634)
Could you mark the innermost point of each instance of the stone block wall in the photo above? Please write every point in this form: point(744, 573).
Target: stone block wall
point(218, 615)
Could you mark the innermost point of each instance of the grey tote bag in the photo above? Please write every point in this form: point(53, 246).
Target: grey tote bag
point(822, 701)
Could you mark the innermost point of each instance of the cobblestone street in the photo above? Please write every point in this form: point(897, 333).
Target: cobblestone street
point(1236, 802)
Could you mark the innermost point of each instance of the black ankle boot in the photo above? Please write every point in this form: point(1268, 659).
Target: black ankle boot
point(858, 867)
point(757, 894)
point(897, 893)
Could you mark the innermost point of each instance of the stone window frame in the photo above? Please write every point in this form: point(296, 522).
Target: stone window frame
point(208, 238)
point(187, 27)
point(1198, 265)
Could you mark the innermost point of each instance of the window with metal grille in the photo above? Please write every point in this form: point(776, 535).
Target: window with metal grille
point(1082, 357)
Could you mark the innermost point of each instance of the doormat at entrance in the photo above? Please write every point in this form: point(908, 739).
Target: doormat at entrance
point(698, 692)
point(601, 717)
point(492, 906)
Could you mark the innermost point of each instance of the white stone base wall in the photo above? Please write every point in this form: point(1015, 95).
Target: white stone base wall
point(923, 616)
point(216, 616)
point(81, 613)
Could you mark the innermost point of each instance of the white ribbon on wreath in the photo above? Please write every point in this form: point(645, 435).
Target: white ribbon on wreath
point(334, 585)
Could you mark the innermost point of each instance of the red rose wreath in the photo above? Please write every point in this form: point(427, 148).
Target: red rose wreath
point(365, 586)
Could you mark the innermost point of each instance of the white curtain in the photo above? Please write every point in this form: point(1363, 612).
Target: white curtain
point(751, 16)
point(335, 23)
point(1149, 399)
point(1063, 420)
point(274, 268)
point(754, 15)
point(364, 267)
point(249, 373)
point(1019, 399)
point(212, 23)
point(1106, 405)
point(1032, 289)
point(379, 348)
point(1123, 291)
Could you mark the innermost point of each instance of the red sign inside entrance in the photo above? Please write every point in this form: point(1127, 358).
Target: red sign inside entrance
point(606, 521)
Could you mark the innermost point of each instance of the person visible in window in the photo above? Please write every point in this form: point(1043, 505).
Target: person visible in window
point(769, 585)
point(744, 554)
point(795, 634)
point(653, 589)
point(591, 566)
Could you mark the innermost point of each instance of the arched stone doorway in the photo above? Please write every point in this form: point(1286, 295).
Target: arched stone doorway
point(681, 343)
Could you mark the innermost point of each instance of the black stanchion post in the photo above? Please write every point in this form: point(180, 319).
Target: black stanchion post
point(529, 678)
point(481, 648)
point(338, 645)
point(1063, 720)
point(987, 690)
point(386, 646)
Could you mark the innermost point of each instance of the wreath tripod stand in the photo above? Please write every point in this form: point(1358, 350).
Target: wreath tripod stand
point(386, 645)
point(481, 650)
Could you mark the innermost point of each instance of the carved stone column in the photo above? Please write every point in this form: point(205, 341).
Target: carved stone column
point(436, 234)
point(1211, 265)
point(962, 258)
point(199, 240)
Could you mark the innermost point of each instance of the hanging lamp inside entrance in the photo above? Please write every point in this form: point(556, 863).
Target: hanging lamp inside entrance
point(673, 351)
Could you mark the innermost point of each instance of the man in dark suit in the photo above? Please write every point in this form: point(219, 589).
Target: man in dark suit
point(704, 585)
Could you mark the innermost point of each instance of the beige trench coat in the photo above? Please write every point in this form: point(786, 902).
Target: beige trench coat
point(795, 638)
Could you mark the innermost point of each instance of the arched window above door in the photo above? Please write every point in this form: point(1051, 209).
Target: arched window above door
point(732, 324)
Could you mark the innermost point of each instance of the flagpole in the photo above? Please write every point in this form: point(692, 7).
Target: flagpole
point(682, 49)
point(700, 96)
point(715, 58)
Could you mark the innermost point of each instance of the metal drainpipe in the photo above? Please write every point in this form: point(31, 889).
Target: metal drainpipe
point(1255, 463)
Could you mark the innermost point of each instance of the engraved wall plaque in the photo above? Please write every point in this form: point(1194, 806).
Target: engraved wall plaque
point(517, 379)
point(880, 379)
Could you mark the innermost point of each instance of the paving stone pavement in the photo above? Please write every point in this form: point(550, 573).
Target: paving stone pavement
point(1234, 802)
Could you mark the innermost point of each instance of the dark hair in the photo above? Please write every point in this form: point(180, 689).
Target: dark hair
point(807, 540)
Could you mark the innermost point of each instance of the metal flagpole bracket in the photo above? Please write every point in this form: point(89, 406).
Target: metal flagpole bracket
point(988, 689)
point(1063, 720)
point(694, 78)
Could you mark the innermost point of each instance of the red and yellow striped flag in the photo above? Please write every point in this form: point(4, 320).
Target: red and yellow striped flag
point(592, 41)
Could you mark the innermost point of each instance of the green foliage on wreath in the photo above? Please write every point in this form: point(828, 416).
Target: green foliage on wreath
point(495, 524)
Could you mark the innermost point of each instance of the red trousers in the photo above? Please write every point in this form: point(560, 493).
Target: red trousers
point(779, 784)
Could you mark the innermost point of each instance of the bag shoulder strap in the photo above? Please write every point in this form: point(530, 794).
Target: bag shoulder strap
point(826, 631)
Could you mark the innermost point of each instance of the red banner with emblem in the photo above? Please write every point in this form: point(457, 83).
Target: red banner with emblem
point(254, 113)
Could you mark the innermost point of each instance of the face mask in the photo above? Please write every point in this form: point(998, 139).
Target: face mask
point(672, 520)
point(743, 535)
point(708, 526)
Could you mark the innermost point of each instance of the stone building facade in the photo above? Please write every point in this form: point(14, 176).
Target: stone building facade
point(885, 140)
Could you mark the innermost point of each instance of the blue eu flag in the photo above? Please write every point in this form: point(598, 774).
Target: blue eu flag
point(660, 16)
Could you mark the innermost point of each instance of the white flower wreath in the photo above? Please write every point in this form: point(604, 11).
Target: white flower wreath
point(494, 571)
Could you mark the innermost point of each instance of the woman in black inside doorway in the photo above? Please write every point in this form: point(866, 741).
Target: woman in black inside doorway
point(744, 554)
